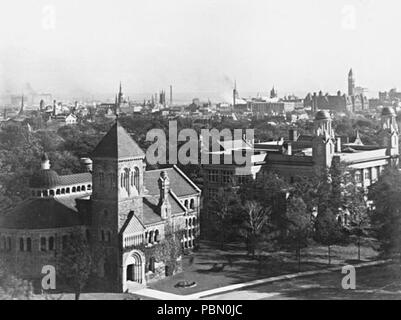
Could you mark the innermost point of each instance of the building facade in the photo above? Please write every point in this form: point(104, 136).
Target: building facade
point(119, 206)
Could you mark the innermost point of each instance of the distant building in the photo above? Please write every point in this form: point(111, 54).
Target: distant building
point(353, 102)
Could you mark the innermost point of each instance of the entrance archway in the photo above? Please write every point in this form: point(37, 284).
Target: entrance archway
point(134, 268)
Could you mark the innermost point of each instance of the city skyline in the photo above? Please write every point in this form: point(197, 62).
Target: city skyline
point(83, 49)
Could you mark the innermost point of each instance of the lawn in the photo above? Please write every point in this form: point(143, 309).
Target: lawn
point(205, 267)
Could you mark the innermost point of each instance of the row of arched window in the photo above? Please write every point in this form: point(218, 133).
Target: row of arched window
point(25, 244)
point(61, 191)
point(190, 222)
point(189, 204)
point(105, 235)
point(152, 237)
point(127, 178)
point(5, 243)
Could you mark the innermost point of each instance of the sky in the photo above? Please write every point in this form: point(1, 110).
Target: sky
point(86, 47)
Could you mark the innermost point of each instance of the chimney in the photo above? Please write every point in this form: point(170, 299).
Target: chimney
point(338, 144)
point(164, 203)
point(45, 162)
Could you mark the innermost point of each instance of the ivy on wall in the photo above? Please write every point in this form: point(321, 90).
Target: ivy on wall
point(167, 250)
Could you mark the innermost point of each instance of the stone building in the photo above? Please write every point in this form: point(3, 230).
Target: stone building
point(119, 206)
point(353, 102)
point(305, 155)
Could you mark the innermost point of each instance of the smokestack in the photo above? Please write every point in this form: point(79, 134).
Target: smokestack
point(234, 93)
point(171, 95)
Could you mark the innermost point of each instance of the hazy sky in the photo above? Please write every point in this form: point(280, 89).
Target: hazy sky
point(79, 46)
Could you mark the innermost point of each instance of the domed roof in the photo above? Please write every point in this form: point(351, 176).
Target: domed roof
point(45, 179)
point(322, 115)
point(388, 111)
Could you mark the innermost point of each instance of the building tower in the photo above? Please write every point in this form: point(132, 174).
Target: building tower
point(273, 93)
point(390, 127)
point(351, 83)
point(21, 111)
point(117, 196)
point(323, 141)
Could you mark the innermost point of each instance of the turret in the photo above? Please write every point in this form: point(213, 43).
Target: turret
point(164, 203)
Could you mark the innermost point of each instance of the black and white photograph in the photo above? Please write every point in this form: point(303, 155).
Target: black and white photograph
point(197, 155)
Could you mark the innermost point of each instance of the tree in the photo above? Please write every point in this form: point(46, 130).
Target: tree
point(256, 219)
point(298, 226)
point(75, 263)
point(12, 287)
point(327, 230)
point(223, 212)
point(386, 215)
point(357, 208)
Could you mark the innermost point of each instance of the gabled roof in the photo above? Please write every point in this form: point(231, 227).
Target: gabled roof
point(151, 209)
point(116, 144)
point(180, 184)
point(134, 226)
point(37, 214)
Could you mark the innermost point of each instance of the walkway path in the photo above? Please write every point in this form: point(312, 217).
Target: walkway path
point(161, 295)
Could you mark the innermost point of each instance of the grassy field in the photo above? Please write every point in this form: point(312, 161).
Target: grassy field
point(205, 267)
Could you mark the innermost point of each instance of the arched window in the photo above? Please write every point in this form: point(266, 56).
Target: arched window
point(190, 222)
point(186, 204)
point(151, 237)
point(101, 179)
point(51, 192)
point(51, 243)
point(3, 243)
point(58, 192)
point(136, 178)
point(78, 189)
point(63, 191)
point(89, 187)
point(21, 244)
point(192, 205)
point(43, 244)
point(122, 180)
point(157, 236)
point(83, 188)
point(9, 247)
point(68, 190)
point(28, 244)
point(74, 189)
point(193, 222)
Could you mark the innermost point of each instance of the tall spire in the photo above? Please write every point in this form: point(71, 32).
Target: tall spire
point(22, 105)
